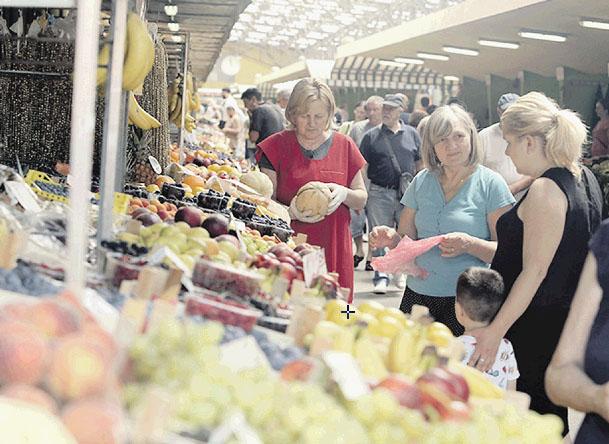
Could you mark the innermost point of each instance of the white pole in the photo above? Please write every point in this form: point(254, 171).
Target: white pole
point(82, 139)
point(114, 122)
point(184, 98)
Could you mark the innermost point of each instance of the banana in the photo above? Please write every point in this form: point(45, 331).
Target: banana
point(369, 359)
point(139, 52)
point(102, 64)
point(345, 340)
point(479, 385)
point(139, 116)
point(177, 112)
point(404, 352)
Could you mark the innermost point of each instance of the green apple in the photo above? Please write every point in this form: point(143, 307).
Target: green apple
point(198, 233)
point(188, 260)
point(230, 249)
point(182, 226)
point(170, 231)
point(222, 257)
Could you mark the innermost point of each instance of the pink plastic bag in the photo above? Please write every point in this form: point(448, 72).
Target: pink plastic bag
point(401, 258)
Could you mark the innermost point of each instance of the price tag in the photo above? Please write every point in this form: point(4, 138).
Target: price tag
point(156, 166)
point(314, 264)
point(243, 354)
point(20, 192)
point(347, 374)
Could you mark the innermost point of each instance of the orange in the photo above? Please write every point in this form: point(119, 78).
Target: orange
point(160, 180)
point(193, 181)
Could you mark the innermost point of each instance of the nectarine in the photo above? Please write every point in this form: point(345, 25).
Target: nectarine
point(23, 353)
point(31, 395)
point(94, 421)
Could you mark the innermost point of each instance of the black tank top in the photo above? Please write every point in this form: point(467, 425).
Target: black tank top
point(583, 218)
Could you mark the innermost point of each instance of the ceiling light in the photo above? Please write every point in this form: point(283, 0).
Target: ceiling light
point(170, 9)
point(431, 56)
point(499, 44)
point(392, 63)
point(409, 60)
point(594, 23)
point(173, 26)
point(540, 35)
point(461, 51)
point(451, 78)
point(177, 39)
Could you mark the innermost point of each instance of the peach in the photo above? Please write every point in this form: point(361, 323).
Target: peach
point(163, 214)
point(71, 299)
point(54, 319)
point(16, 312)
point(95, 333)
point(94, 421)
point(145, 203)
point(79, 367)
point(23, 353)
point(31, 395)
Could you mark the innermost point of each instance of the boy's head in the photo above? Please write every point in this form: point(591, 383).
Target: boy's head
point(479, 296)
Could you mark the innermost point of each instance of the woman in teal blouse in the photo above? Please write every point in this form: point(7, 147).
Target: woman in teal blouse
point(453, 196)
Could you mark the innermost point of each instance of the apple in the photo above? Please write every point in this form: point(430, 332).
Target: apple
point(216, 225)
point(163, 214)
point(407, 394)
point(229, 238)
point(149, 218)
point(287, 271)
point(191, 215)
point(452, 384)
point(288, 260)
point(206, 162)
point(303, 246)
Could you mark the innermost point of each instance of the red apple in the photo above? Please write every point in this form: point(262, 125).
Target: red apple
point(287, 271)
point(216, 225)
point(229, 238)
point(452, 384)
point(163, 214)
point(407, 394)
point(149, 218)
point(288, 260)
point(191, 215)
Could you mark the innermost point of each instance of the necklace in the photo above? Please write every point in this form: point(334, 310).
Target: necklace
point(450, 188)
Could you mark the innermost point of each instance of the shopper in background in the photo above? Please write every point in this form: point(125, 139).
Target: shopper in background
point(283, 97)
point(600, 134)
point(373, 108)
point(359, 112)
point(391, 151)
point(542, 241)
point(265, 118)
point(578, 375)
point(311, 151)
point(457, 197)
point(405, 115)
point(415, 118)
point(494, 146)
point(233, 129)
point(425, 102)
point(229, 100)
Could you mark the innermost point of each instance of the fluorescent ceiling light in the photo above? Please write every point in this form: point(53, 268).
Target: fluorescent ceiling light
point(171, 10)
point(409, 60)
point(431, 56)
point(540, 35)
point(173, 26)
point(392, 63)
point(461, 51)
point(451, 78)
point(499, 44)
point(594, 23)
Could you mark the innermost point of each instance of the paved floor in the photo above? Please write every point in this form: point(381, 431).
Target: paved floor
point(363, 288)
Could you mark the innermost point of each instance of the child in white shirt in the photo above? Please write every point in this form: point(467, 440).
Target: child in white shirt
point(479, 297)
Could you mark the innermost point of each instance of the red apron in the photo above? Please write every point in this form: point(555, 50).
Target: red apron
point(294, 170)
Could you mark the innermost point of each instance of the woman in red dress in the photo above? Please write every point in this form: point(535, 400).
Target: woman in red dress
point(311, 151)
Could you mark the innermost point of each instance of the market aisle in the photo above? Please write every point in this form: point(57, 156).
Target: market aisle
point(363, 288)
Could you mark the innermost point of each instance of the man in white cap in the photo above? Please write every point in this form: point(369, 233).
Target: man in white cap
point(391, 146)
point(494, 146)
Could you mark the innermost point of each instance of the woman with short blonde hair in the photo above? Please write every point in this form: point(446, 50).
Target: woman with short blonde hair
point(542, 242)
point(455, 197)
point(311, 152)
point(305, 92)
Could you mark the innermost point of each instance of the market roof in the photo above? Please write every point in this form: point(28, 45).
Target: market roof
point(209, 23)
point(462, 25)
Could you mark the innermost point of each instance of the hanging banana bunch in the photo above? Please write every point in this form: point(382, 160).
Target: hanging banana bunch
point(139, 55)
point(139, 117)
point(178, 92)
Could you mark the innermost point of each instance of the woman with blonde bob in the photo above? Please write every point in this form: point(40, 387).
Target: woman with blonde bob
point(454, 196)
point(310, 151)
point(542, 241)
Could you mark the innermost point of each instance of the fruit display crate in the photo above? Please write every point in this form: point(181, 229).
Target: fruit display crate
point(48, 189)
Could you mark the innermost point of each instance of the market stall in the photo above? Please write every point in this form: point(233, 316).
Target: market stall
point(176, 304)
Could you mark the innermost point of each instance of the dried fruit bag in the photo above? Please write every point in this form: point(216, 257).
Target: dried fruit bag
point(401, 258)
